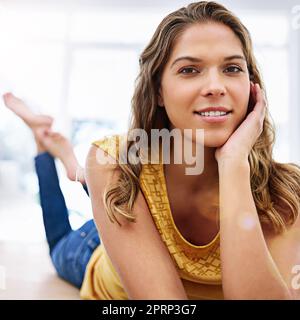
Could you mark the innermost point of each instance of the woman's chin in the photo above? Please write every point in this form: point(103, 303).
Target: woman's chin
point(215, 142)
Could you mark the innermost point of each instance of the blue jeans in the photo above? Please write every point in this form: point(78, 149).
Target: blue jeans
point(70, 250)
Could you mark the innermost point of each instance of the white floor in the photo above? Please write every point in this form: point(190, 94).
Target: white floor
point(26, 271)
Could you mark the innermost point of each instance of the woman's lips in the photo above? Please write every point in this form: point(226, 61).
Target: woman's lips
point(213, 119)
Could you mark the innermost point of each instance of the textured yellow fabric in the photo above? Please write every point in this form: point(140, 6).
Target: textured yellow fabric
point(199, 267)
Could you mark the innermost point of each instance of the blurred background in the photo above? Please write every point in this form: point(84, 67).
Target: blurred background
point(77, 61)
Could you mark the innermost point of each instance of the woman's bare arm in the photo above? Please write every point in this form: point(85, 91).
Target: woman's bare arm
point(136, 250)
point(248, 269)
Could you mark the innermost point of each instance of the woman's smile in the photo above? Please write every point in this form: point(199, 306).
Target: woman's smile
point(213, 117)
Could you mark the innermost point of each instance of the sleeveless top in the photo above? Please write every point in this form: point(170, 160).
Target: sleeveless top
point(199, 267)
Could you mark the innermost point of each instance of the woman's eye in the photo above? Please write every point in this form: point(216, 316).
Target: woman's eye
point(234, 67)
point(192, 70)
point(188, 70)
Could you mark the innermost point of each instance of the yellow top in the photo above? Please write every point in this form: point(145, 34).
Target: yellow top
point(199, 267)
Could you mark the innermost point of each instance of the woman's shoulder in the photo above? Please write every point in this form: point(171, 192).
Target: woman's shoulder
point(107, 141)
point(110, 144)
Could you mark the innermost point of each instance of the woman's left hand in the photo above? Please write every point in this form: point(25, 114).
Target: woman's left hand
point(240, 143)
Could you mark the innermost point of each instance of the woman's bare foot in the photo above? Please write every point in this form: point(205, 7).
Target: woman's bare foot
point(61, 148)
point(34, 122)
point(18, 106)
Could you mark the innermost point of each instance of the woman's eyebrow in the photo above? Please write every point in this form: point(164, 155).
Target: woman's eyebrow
point(193, 59)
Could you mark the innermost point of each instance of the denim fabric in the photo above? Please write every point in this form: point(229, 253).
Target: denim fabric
point(55, 212)
point(85, 189)
point(70, 250)
point(72, 253)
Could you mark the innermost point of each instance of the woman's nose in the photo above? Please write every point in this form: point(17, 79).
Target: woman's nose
point(213, 85)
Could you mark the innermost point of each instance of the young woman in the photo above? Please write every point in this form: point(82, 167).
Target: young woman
point(70, 250)
point(231, 232)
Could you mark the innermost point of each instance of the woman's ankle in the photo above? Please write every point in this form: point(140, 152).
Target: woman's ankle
point(79, 175)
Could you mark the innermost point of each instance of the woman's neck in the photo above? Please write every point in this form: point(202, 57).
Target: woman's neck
point(207, 180)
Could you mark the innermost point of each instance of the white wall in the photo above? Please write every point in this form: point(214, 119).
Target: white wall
point(77, 60)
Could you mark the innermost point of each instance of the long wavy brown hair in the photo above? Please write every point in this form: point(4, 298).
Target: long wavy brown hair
point(275, 186)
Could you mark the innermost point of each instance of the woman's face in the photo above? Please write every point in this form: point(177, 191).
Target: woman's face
point(198, 75)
